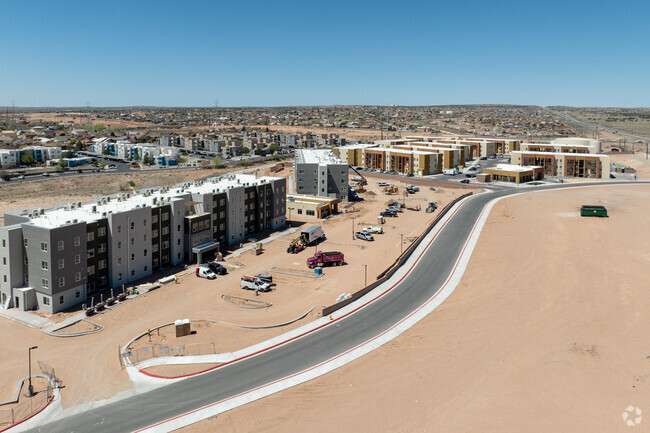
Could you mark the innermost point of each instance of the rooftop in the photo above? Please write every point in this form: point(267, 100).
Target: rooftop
point(511, 167)
point(67, 213)
point(317, 156)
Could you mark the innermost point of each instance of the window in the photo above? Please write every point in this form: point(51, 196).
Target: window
point(101, 231)
point(61, 281)
point(165, 245)
point(77, 259)
point(132, 241)
point(26, 260)
point(119, 260)
point(4, 260)
point(145, 238)
point(119, 277)
point(145, 222)
point(77, 241)
point(26, 278)
point(4, 243)
point(4, 277)
point(61, 299)
point(119, 229)
point(145, 268)
point(119, 244)
point(61, 263)
point(102, 248)
point(45, 283)
point(132, 272)
point(299, 211)
point(25, 241)
point(155, 263)
point(44, 265)
point(178, 241)
point(154, 219)
point(77, 276)
point(101, 264)
point(165, 259)
point(154, 248)
point(132, 256)
point(46, 301)
point(132, 225)
point(145, 253)
point(222, 202)
point(91, 253)
point(178, 228)
point(102, 280)
point(165, 231)
point(165, 216)
point(154, 233)
point(90, 236)
point(44, 247)
point(60, 245)
point(179, 255)
point(77, 294)
point(91, 270)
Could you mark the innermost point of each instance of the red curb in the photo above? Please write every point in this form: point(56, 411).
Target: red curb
point(31, 416)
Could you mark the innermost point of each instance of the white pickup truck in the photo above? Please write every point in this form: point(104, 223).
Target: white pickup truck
point(254, 283)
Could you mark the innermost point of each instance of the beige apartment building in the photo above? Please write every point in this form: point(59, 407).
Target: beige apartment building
point(513, 173)
point(568, 165)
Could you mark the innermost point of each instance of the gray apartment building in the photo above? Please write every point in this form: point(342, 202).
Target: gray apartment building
point(320, 172)
point(56, 258)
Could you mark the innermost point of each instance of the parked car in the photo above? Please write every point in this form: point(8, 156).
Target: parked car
point(205, 272)
point(217, 268)
point(388, 213)
point(22, 176)
point(464, 181)
point(254, 283)
point(45, 174)
point(374, 229)
point(483, 158)
point(364, 236)
point(470, 175)
point(383, 184)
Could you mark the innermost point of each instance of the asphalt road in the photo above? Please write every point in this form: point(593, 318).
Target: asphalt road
point(422, 282)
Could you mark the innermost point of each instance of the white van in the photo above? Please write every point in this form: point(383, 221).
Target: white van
point(205, 272)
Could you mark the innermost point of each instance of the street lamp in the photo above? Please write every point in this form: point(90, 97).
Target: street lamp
point(365, 275)
point(30, 388)
point(352, 228)
point(401, 242)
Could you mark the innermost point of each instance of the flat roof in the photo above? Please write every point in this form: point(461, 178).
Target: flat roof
point(117, 203)
point(559, 153)
point(357, 146)
point(317, 156)
point(557, 144)
point(512, 167)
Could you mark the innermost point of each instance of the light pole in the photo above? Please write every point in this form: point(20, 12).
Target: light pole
point(401, 242)
point(30, 388)
point(365, 275)
point(352, 228)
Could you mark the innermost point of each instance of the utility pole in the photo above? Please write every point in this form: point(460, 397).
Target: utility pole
point(30, 388)
point(352, 228)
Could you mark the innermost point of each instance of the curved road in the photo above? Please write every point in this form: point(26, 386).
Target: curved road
point(425, 279)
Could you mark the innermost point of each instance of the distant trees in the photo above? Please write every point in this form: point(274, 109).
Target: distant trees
point(61, 165)
point(146, 160)
point(274, 148)
point(245, 150)
point(69, 154)
point(100, 127)
point(258, 151)
point(216, 162)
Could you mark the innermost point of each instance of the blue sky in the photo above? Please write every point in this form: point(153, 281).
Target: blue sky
point(278, 53)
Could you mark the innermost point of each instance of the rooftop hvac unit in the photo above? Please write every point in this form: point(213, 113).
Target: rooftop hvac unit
point(94, 209)
point(79, 204)
point(68, 222)
point(103, 214)
point(41, 211)
point(75, 221)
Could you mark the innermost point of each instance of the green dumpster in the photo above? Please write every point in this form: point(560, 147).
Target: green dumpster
point(593, 210)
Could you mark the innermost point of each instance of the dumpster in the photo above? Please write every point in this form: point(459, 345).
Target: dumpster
point(593, 210)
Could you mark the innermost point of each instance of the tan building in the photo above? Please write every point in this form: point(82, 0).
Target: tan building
point(311, 206)
point(403, 159)
point(353, 154)
point(569, 165)
point(513, 173)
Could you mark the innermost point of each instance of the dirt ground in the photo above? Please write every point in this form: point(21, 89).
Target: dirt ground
point(95, 373)
point(547, 331)
point(45, 193)
point(642, 167)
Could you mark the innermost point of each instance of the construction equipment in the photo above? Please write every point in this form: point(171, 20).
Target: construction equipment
point(309, 236)
point(296, 246)
point(390, 190)
point(433, 205)
point(361, 181)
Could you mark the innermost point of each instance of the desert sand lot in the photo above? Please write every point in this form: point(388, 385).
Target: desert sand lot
point(94, 372)
point(640, 164)
point(547, 332)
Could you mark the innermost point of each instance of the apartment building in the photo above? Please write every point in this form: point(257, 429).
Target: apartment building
point(565, 145)
point(352, 154)
point(40, 154)
point(565, 165)
point(320, 172)
point(404, 159)
point(53, 259)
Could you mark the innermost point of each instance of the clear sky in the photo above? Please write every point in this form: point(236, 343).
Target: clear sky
point(278, 53)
